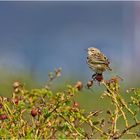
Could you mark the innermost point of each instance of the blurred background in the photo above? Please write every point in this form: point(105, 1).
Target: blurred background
point(37, 37)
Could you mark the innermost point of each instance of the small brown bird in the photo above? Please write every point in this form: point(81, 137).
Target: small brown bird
point(97, 62)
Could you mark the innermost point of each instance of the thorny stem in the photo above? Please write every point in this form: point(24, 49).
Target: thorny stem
point(118, 106)
point(122, 102)
point(116, 102)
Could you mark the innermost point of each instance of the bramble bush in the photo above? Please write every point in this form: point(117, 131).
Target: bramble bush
point(43, 114)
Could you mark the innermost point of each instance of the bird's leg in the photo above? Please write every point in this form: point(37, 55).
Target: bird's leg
point(109, 68)
point(93, 76)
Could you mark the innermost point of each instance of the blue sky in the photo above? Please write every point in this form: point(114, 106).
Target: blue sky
point(41, 36)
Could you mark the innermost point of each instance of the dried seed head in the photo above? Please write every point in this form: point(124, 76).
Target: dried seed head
point(47, 87)
point(114, 79)
point(113, 84)
point(16, 84)
point(58, 72)
point(89, 83)
point(79, 85)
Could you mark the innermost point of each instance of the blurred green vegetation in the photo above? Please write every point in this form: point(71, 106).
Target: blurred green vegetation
point(88, 99)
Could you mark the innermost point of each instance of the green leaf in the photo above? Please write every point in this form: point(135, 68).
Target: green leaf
point(47, 114)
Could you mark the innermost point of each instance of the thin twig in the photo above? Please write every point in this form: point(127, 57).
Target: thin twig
point(126, 130)
point(72, 126)
point(116, 102)
point(98, 129)
point(115, 119)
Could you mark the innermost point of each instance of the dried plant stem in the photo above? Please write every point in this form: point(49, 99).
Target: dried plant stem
point(127, 108)
point(125, 105)
point(115, 119)
point(8, 111)
point(114, 99)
